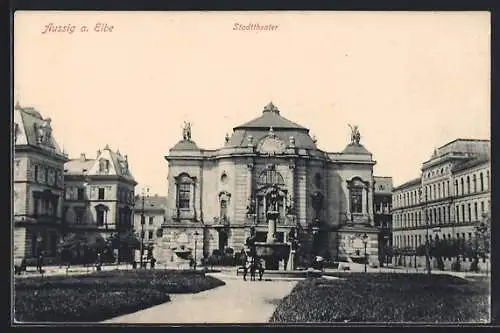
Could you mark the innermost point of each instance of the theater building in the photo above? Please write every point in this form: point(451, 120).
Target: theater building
point(215, 196)
point(38, 185)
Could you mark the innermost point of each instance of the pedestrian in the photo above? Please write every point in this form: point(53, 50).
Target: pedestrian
point(98, 262)
point(39, 263)
point(153, 261)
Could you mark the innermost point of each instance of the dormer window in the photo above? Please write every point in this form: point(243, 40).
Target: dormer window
point(103, 165)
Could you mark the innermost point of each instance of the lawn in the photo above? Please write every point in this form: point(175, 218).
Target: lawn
point(101, 295)
point(358, 297)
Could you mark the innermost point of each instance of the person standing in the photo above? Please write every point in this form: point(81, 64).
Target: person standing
point(39, 263)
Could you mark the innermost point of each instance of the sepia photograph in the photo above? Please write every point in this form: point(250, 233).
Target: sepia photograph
point(259, 167)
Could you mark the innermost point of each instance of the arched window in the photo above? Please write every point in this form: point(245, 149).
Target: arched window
point(474, 183)
point(102, 215)
point(481, 181)
point(434, 191)
point(457, 214)
point(462, 186)
point(439, 191)
point(476, 217)
point(185, 186)
point(469, 212)
point(447, 188)
point(356, 187)
point(463, 213)
point(270, 177)
point(456, 186)
point(468, 184)
point(488, 179)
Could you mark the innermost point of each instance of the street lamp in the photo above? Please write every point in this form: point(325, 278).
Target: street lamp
point(196, 234)
point(144, 192)
point(364, 238)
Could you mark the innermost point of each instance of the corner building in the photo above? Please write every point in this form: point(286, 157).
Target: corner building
point(455, 197)
point(38, 185)
point(215, 196)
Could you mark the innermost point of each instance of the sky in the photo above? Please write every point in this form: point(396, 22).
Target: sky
point(411, 81)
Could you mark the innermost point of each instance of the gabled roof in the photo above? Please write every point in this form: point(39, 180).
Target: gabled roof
point(118, 165)
point(271, 118)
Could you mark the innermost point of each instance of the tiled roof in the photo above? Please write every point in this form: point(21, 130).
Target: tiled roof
point(152, 202)
point(28, 119)
point(240, 137)
point(77, 166)
point(82, 165)
point(408, 183)
point(355, 148)
point(271, 118)
point(467, 164)
point(185, 145)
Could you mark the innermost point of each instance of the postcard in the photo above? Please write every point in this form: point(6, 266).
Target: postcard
point(292, 167)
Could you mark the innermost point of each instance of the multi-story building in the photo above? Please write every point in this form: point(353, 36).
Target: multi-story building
point(154, 210)
point(382, 197)
point(449, 200)
point(216, 196)
point(38, 184)
point(99, 195)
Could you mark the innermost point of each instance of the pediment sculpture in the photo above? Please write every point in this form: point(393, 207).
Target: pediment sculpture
point(186, 131)
point(355, 135)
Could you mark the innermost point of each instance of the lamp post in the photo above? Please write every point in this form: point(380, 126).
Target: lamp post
point(364, 238)
point(196, 234)
point(423, 199)
point(145, 191)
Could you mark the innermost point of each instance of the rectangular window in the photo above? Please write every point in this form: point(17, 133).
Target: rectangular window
point(101, 193)
point(151, 220)
point(81, 194)
point(184, 195)
point(482, 207)
point(356, 200)
point(150, 234)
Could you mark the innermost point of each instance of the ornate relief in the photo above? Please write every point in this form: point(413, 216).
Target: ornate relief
point(271, 145)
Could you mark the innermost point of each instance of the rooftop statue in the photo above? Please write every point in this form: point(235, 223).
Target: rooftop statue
point(355, 135)
point(186, 131)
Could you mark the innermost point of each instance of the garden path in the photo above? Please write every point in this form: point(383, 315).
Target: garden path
point(236, 302)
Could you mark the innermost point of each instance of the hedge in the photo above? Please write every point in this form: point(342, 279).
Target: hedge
point(385, 298)
point(102, 295)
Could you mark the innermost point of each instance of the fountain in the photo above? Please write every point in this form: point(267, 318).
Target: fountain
point(273, 251)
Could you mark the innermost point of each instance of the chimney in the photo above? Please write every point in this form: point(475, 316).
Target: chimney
point(82, 157)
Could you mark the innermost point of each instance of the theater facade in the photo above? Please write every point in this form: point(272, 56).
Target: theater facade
point(216, 196)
